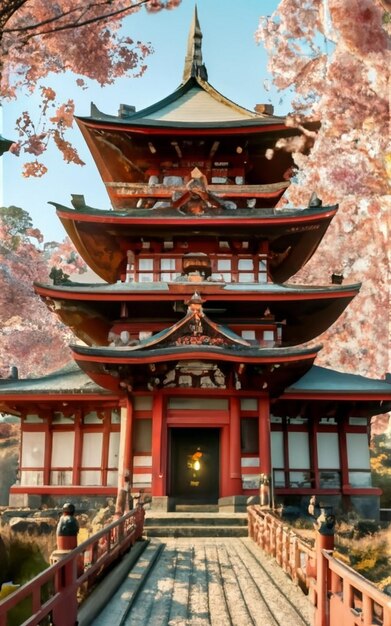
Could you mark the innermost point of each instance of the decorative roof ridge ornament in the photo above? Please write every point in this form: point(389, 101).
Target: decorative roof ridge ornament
point(194, 67)
point(196, 300)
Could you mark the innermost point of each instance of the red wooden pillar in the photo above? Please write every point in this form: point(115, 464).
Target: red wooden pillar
point(235, 470)
point(313, 432)
point(265, 461)
point(48, 449)
point(106, 445)
point(225, 481)
point(343, 454)
point(77, 450)
point(125, 456)
point(158, 451)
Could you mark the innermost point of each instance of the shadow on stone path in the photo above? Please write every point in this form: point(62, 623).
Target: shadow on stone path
point(207, 581)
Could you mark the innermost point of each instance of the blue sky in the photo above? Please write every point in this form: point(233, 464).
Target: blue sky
point(236, 67)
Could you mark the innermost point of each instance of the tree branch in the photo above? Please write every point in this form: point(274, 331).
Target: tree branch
point(72, 25)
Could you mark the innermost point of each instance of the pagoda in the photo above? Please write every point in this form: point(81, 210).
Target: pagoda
point(194, 376)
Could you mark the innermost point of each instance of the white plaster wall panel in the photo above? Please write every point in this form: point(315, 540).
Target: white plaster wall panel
point(328, 451)
point(61, 477)
point(250, 461)
point(298, 450)
point(63, 444)
point(142, 461)
point(358, 451)
point(92, 450)
point(32, 479)
point(112, 478)
point(113, 450)
point(142, 480)
point(33, 451)
point(277, 449)
point(90, 477)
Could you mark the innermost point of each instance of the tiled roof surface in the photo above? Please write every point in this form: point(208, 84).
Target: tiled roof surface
point(69, 379)
point(321, 379)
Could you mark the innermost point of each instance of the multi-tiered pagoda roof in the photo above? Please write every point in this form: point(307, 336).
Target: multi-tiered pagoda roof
point(192, 189)
point(194, 259)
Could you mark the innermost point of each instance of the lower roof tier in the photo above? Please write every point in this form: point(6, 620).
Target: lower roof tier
point(320, 391)
point(302, 313)
point(287, 237)
point(194, 352)
point(195, 366)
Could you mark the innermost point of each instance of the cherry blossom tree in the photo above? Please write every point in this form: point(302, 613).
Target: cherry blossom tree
point(39, 38)
point(31, 338)
point(336, 56)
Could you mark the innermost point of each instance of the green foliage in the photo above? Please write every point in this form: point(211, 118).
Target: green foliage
point(369, 556)
point(367, 550)
point(17, 222)
point(25, 561)
point(381, 467)
point(21, 560)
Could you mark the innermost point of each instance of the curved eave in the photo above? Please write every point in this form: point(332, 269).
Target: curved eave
point(209, 290)
point(171, 217)
point(98, 235)
point(268, 369)
point(105, 263)
point(332, 393)
point(121, 356)
point(162, 127)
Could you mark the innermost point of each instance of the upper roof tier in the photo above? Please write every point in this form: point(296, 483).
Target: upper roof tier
point(195, 126)
point(287, 238)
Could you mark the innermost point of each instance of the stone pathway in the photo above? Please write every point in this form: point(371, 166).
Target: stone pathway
point(206, 582)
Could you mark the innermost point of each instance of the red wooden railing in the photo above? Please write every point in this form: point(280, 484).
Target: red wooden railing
point(295, 556)
point(351, 599)
point(56, 591)
point(339, 594)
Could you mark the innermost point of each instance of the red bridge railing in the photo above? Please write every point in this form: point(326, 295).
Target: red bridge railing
point(56, 591)
point(339, 594)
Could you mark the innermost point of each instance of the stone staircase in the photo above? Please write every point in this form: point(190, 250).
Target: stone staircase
point(200, 581)
point(195, 523)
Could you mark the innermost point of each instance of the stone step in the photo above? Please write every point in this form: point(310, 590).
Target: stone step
point(204, 582)
point(103, 608)
point(196, 531)
point(188, 519)
point(196, 508)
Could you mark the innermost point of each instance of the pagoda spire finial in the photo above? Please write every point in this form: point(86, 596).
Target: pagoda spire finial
point(193, 60)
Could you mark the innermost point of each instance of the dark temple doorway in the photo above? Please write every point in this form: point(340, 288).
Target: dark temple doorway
point(195, 465)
